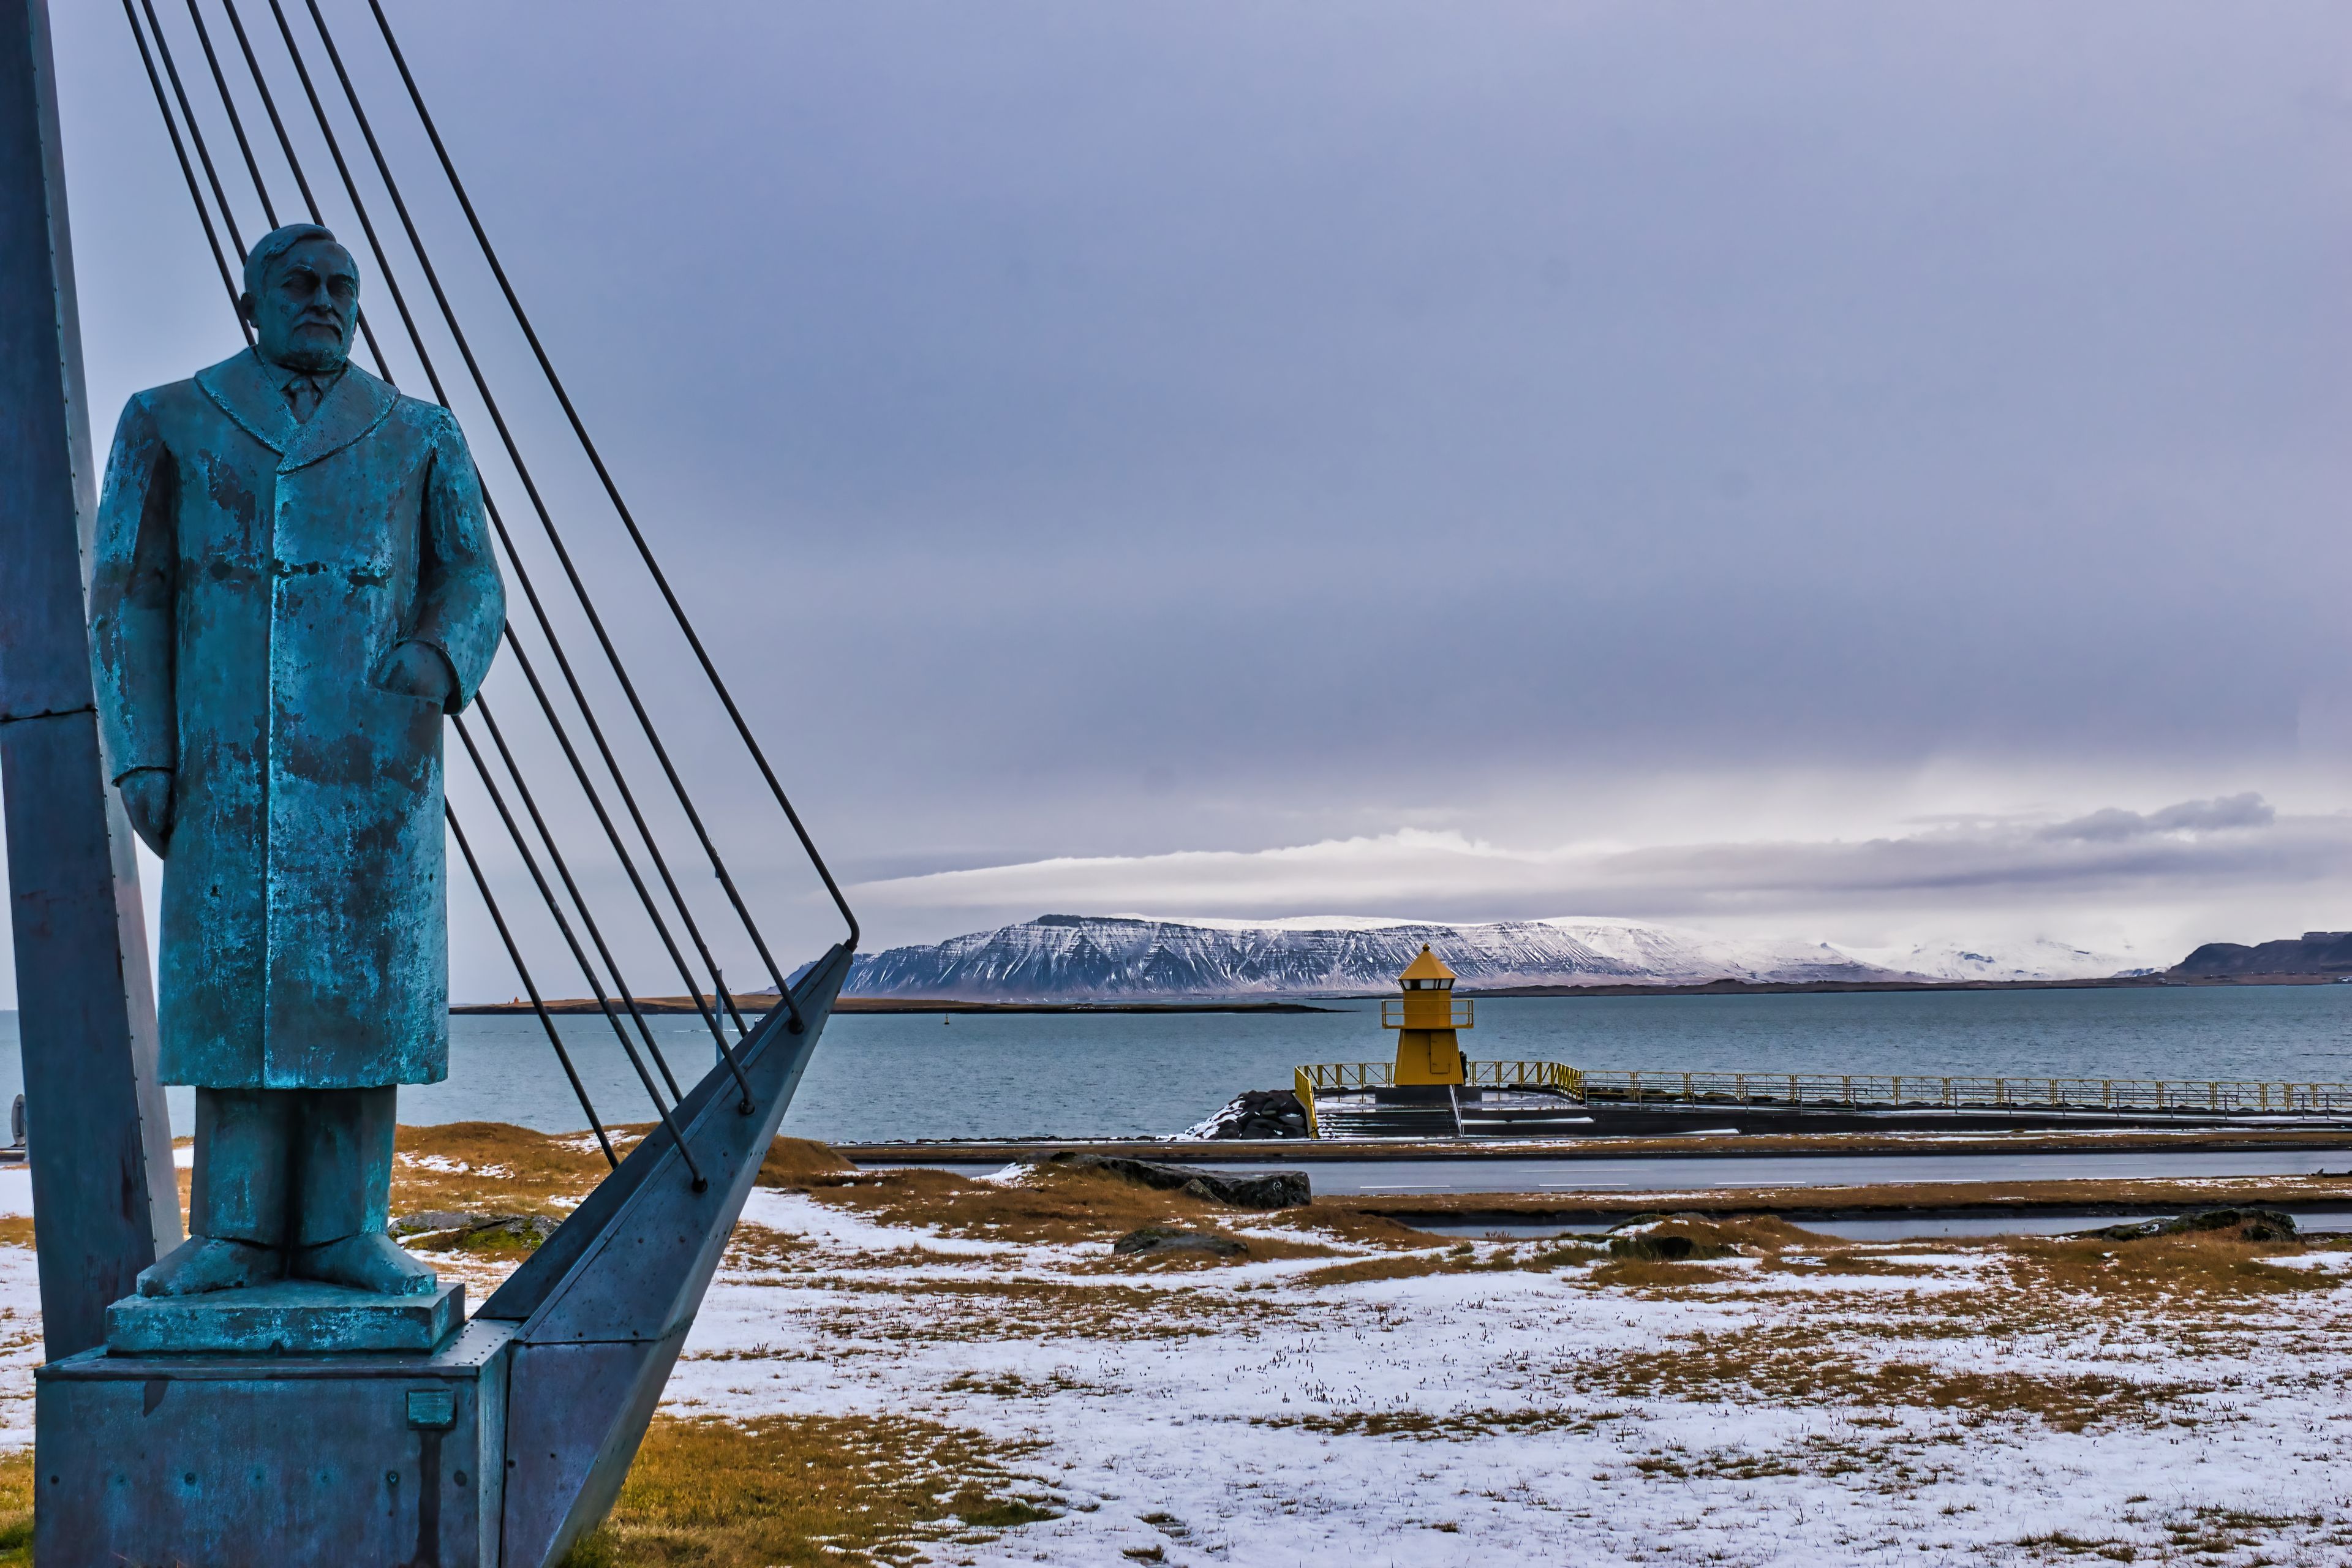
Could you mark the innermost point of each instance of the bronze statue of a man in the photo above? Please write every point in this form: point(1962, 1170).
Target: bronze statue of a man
point(292, 583)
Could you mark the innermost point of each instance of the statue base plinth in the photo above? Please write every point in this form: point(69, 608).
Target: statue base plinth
point(259, 1461)
point(293, 1318)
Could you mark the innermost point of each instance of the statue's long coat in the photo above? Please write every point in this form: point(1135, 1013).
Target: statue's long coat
point(252, 576)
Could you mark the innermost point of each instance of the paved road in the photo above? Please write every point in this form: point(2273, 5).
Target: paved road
point(1681, 1174)
point(1684, 1174)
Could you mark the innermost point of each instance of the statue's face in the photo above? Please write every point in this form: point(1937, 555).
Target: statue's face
point(304, 317)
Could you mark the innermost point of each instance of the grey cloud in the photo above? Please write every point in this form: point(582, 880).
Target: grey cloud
point(1957, 874)
point(2114, 824)
point(1095, 429)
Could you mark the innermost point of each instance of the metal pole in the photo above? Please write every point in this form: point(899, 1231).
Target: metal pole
point(100, 1143)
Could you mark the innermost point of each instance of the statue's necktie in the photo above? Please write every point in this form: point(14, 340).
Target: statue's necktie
point(303, 395)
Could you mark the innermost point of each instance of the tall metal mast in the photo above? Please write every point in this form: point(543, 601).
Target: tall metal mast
point(100, 1141)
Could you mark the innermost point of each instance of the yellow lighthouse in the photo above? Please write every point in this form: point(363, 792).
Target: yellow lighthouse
point(1425, 1020)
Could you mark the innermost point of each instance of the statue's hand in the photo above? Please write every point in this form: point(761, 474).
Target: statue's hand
point(416, 670)
point(147, 801)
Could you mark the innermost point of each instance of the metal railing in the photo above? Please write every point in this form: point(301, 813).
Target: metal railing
point(1889, 1091)
point(1341, 1078)
point(1344, 1076)
point(1966, 1093)
point(1462, 1014)
point(1527, 1075)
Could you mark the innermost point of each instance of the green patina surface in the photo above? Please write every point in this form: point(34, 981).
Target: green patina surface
point(297, 1316)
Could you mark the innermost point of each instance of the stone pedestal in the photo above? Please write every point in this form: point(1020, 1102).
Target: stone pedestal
point(298, 1317)
point(362, 1459)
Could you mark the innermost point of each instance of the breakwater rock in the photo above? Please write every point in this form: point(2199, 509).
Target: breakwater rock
point(1256, 1113)
point(1239, 1189)
point(2252, 1225)
point(1160, 1241)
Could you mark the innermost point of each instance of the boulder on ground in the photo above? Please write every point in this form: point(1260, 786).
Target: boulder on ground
point(1240, 1189)
point(1160, 1241)
point(531, 1229)
point(2252, 1225)
point(1666, 1246)
point(1642, 1239)
point(1256, 1113)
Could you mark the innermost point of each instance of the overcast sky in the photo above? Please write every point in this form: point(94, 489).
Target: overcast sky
point(1836, 469)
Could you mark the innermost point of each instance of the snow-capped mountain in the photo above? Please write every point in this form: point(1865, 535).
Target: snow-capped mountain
point(1086, 957)
point(2038, 959)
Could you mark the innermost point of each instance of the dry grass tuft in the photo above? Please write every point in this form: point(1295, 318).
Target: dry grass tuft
point(16, 1510)
point(1459, 1425)
point(1348, 1226)
point(2209, 1266)
point(1650, 1274)
point(1367, 1270)
point(1053, 1205)
point(466, 1165)
point(796, 1491)
point(16, 1230)
point(797, 1165)
point(1799, 1366)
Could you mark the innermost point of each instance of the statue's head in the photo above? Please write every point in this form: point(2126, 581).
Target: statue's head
point(302, 296)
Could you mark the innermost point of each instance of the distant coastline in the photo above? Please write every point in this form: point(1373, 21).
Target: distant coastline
point(765, 1000)
point(652, 1006)
point(2168, 980)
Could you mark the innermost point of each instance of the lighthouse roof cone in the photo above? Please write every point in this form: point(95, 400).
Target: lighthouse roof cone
point(1428, 968)
point(1427, 1049)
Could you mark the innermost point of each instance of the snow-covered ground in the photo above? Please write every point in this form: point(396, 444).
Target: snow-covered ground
point(1843, 1405)
point(1353, 1397)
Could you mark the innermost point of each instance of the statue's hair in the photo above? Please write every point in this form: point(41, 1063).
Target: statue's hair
point(275, 243)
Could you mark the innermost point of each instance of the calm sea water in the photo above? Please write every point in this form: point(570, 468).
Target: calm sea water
point(909, 1076)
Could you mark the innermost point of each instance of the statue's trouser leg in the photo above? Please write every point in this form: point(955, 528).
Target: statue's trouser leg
point(240, 1197)
point(343, 1193)
point(342, 1163)
point(242, 1188)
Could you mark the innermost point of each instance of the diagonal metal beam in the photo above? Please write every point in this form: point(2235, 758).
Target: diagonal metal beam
point(605, 1304)
point(100, 1141)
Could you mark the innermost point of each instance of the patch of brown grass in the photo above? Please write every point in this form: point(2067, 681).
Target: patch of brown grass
point(468, 1165)
point(965, 1308)
point(797, 1165)
point(2205, 1266)
point(1798, 1366)
point(16, 1230)
point(1367, 1270)
point(1654, 1274)
point(1459, 1425)
point(797, 1491)
point(1053, 1205)
point(2093, 1197)
point(1347, 1225)
point(16, 1510)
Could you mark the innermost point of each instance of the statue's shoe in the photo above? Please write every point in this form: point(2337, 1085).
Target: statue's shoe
point(204, 1263)
point(368, 1261)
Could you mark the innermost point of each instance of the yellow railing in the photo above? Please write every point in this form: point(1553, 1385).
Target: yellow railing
point(1527, 1075)
point(1340, 1078)
point(1892, 1090)
point(1347, 1075)
point(1462, 1014)
point(1965, 1093)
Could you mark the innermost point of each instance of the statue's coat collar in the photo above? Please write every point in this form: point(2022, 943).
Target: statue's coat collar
point(252, 394)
